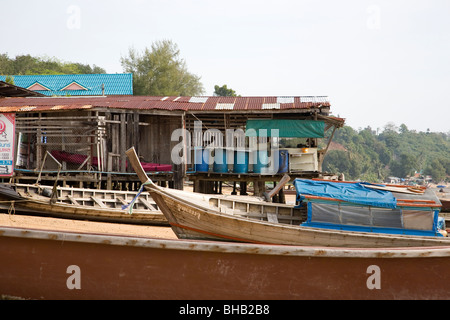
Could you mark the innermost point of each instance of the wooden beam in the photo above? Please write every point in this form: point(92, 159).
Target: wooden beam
point(99, 202)
point(123, 141)
point(134, 160)
point(275, 190)
point(329, 140)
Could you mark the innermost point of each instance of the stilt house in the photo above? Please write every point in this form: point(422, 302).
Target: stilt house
point(82, 140)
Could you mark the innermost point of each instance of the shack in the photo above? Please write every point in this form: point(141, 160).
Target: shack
point(81, 141)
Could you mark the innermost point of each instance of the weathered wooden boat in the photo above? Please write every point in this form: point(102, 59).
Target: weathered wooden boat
point(200, 216)
point(80, 203)
point(46, 264)
point(444, 198)
point(445, 211)
point(372, 208)
point(445, 203)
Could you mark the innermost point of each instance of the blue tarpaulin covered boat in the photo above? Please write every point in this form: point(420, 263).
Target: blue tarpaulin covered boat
point(359, 193)
point(368, 207)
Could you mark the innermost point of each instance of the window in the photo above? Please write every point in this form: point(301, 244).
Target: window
point(73, 86)
point(38, 87)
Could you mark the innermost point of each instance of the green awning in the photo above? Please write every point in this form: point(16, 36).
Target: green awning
point(286, 128)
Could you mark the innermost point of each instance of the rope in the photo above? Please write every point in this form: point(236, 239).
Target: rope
point(12, 208)
point(131, 204)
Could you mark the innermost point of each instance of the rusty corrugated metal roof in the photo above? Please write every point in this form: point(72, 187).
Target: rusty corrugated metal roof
point(208, 104)
point(10, 90)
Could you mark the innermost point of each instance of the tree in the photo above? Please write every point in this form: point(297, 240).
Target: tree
point(159, 71)
point(372, 156)
point(9, 79)
point(223, 91)
point(29, 65)
point(390, 127)
point(436, 170)
point(403, 128)
point(405, 166)
point(6, 64)
point(337, 161)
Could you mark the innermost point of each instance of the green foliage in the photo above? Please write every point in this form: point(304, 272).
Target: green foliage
point(405, 166)
point(437, 170)
point(223, 91)
point(394, 152)
point(29, 65)
point(9, 79)
point(159, 71)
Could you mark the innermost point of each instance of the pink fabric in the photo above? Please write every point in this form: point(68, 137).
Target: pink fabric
point(80, 158)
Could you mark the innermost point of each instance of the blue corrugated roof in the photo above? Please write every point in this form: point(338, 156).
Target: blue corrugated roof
point(115, 84)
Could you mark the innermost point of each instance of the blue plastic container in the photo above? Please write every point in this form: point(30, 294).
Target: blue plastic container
point(240, 161)
point(220, 160)
point(283, 163)
point(201, 159)
point(261, 159)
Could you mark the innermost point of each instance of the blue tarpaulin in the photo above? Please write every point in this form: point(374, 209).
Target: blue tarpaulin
point(357, 193)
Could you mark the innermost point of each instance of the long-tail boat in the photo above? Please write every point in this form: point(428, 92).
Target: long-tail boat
point(80, 203)
point(352, 217)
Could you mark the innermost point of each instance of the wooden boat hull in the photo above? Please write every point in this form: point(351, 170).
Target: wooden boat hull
point(445, 204)
point(193, 221)
point(62, 265)
point(103, 205)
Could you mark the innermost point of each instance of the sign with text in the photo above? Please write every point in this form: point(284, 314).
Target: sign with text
point(7, 133)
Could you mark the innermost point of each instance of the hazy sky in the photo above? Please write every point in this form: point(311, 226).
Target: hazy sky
point(378, 61)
